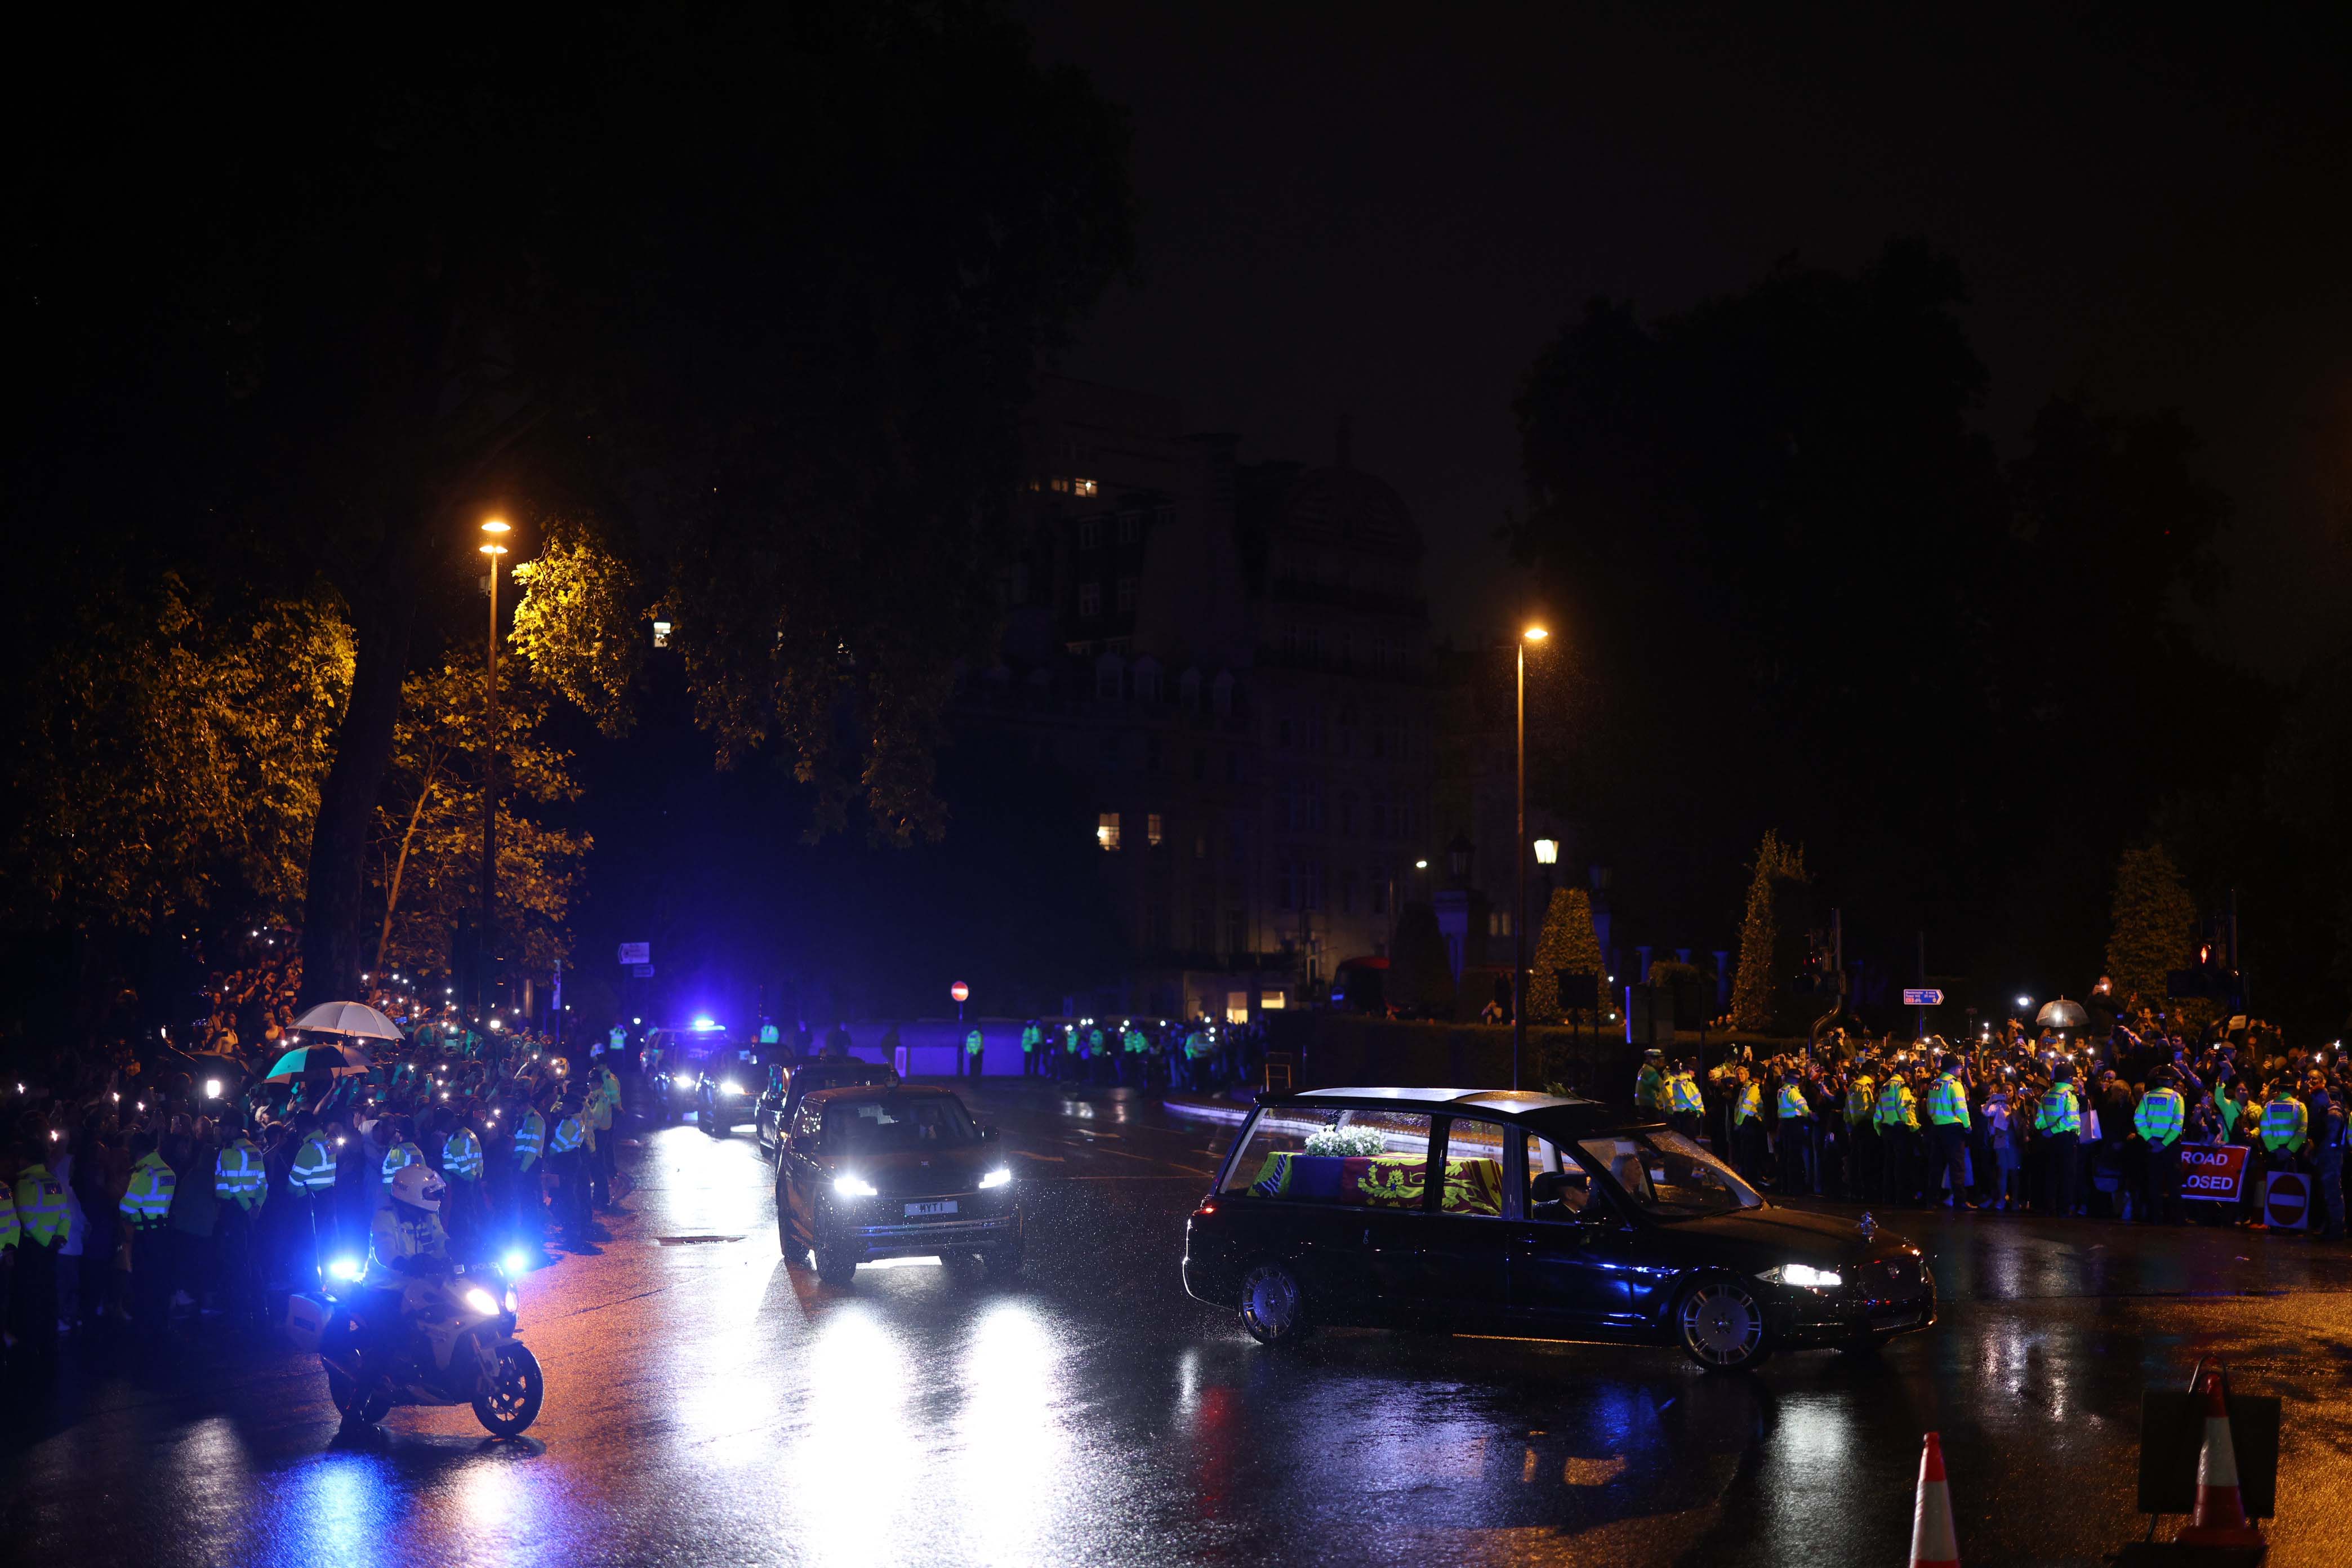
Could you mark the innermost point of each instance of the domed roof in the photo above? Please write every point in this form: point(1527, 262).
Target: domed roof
point(1353, 508)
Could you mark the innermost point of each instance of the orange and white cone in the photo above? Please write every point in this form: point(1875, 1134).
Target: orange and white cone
point(1932, 1542)
point(2220, 1519)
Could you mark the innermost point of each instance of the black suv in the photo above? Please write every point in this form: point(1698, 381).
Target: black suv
point(895, 1172)
point(1510, 1213)
point(791, 1083)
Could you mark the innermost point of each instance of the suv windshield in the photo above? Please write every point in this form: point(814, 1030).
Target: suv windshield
point(894, 1123)
point(1667, 1176)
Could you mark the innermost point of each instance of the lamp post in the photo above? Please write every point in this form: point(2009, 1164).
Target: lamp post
point(1519, 871)
point(494, 528)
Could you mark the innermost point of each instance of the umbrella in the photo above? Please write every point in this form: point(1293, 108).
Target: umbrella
point(354, 1018)
point(2062, 1014)
point(343, 1061)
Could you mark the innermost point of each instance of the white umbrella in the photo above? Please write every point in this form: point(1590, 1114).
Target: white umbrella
point(2062, 1014)
point(356, 1019)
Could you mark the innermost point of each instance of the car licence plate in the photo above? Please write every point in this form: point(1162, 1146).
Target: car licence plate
point(917, 1210)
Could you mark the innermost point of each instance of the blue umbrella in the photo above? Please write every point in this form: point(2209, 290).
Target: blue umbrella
point(342, 1060)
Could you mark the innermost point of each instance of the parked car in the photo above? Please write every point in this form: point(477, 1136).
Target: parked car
point(881, 1170)
point(1546, 1216)
point(790, 1082)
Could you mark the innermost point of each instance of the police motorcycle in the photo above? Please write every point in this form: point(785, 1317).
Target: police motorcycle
point(454, 1343)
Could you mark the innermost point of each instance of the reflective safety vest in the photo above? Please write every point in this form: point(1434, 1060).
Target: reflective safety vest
point(1897, 1106)
point(1031, 1038)
point(1947, 1102)
point(599, 1109)
point(1649, 1089)
point(1136, 1044)
point(1750, 1104)
point(531, 1137)
point(1686, 1094)
point(2284, 1121)
point(1861, 1100)
point(2158, 1117)
point(399, 1156)
point(41, 1206)
point(2058, 1111)
point(1793, 1103)
point(240, 1177)
point(971, 1044)
point(461, 1155)
point(148, 1200)
point(569, 1135)
point(11, 1233)
point(314, 1167)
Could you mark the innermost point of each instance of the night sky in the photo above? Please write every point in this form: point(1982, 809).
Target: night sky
point(1385, 210)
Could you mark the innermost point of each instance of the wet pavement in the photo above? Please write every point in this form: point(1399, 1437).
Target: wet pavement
point(709, 1404)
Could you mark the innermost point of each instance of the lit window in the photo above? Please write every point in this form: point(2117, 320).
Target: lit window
point(1058, 485)
point(1085, 486)
point(1126, 595)
point(1151, 828)
point(1271, 1001)
point(1090, 599)
point(1107, 829)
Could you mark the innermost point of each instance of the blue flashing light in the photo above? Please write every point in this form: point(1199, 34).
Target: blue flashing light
point(706, 1023)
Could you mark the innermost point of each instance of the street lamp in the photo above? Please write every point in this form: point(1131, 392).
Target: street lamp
point(1519, 865)
point(1547, 851)
point(496, 528)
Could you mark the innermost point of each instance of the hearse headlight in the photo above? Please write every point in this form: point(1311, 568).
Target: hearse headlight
point(1804, 1274)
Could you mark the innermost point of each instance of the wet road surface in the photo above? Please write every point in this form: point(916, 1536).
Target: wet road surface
point(709, 1404)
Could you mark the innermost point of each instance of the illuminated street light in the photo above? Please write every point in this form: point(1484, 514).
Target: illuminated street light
point(1547, 851)
point(1519, 866)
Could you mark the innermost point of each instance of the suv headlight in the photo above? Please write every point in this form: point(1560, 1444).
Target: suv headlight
point(996, 1178)
point(1803, 1274)
point(850, 1186)
point(730, 1088)
point(685, 1081)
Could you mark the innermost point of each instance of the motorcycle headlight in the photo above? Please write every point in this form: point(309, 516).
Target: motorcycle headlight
point(480, 1301)
point(1804, 1274)
point(996, 1178)
point(348, 1269)
point(511, 1298)
point(850, 1186)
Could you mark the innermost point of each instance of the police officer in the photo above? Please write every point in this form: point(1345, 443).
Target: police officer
point(461, 1168)
point(1796, 1134)
point(1897, 1117)
point(47, 1224)
point(524, 1148)
point(1032, 1047)
point(405, 1240)
point(2058, 1118)
point(1862, 1144)
point(240, 1186)
point(2158, 1120)
point(1947, 1115)
point(1685, 1108)
point(146, 1208)
point(968, 1065)
point(1650, 1091)
point(1748, 1126)
point(565, 1149)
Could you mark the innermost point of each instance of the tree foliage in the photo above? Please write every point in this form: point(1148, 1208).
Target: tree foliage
point(1568, 946)
point(171, 759)
point(1771, 936)
point(2153, 924)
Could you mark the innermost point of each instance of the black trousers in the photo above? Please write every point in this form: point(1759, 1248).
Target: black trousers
point(1864, 1152)
point(2060, 1173)
point(151, 1273)
point(1895, 1149)
point(2162, 1166)
point(1952, 1157)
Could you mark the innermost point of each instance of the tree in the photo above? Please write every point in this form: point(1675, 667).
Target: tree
point(2153, 926)
point(1568, 946)
point(172, 760)
point(427, 851)
point(1771, 936)
point(748, 297)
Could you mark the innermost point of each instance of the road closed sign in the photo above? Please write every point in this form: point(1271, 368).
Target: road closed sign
point(2214, 1172)
point(2286, 1200)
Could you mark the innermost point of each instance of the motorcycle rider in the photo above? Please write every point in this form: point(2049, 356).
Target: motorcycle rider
point(406, 1241)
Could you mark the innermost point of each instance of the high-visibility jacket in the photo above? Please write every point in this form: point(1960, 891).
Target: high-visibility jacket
point(570, 1134)
point(1862, 1102)
point(147, 1201)
point(971, 1044)
point(2058, 1111)
point(531, 1137)
point(1031, 1038)
point(313, 1174)
point(1649, 1089)
point(11, 1233)
point(1134, 1042)
point(393, 1237)
point(240, 1177)
point(2158, 1117)
point(400, 1156)
point(461, 1155)
point(598, 1110)
point(1947, 1102)
point(1793, 1103)
point(2285, 1123)
point(1686, 1094)
point(1897, 1106)
point(1750, 1104)
point(41, 1208)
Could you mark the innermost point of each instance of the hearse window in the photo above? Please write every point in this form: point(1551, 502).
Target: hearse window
point(1558, 1188)
point(1473, 1169)
point(1666, 1176)
point(1378, 1159)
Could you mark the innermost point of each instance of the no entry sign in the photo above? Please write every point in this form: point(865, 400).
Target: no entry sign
point(959, 991)
point(2286, 1201)
point(2214, 1172)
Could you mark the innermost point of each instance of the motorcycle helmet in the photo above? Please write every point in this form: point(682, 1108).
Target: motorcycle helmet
point(419, 1187)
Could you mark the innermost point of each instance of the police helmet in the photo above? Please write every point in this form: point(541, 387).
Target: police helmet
point(419, 1187)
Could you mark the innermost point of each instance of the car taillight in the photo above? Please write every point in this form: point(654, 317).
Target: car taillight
point(1208, 1206)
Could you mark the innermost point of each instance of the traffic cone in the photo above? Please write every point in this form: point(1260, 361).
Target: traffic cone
point(2220, 1518)
point(1932, 1543)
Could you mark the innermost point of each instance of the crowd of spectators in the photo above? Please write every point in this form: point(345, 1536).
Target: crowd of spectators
point(2052, 1123)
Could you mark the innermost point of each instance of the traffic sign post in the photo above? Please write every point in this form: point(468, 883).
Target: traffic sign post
point(959, 991)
